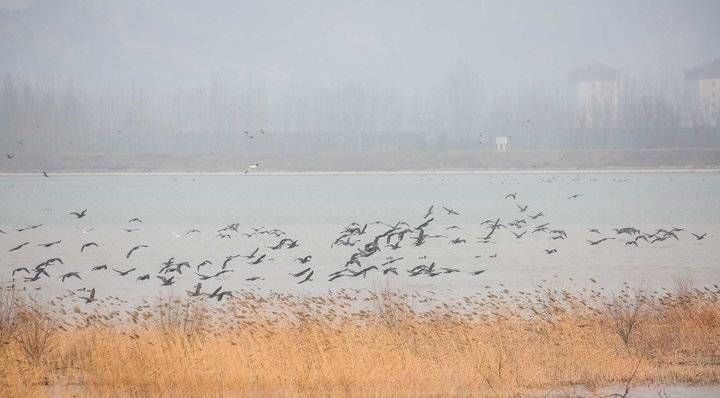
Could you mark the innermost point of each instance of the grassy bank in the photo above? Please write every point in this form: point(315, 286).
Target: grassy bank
point(492, 345)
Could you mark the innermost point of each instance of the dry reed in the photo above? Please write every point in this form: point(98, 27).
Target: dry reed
point(496, 345)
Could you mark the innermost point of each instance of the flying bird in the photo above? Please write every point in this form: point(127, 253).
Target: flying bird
point(123, 273)
point(69, 275)
point(18, 247)
point(80, 214)
point(50, 244)
point(133, 249)
point(85, 246)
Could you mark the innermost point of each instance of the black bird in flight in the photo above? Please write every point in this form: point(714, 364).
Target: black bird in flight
point(29, 227)
point(196, 292)
point(99, 267)
point(577, 195)
point(699, 237)
point(205, 277)
point(478, 272)
point(10, 155)
point(79, 214)
point(45, 174)
point(304, 260)
point(143, 277)
point(511, 195)
point(518, 236)
point(301, 273)
point(166, 281)
point(69, 275)
point(90, 298)
point(135, 220)
point(429, 212)
point(522, 209)
point(123, 273)
point(597, 242)
point(50, 244)
point(550, 251)
point(20, 269)
point(133, 249)
point(307, 278)
point(451, 211)
point(85, 246)
point(18, 247)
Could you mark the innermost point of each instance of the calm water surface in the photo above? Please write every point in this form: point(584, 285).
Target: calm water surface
point(315, 208)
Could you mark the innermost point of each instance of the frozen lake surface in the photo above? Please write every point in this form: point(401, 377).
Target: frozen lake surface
point(315, 208)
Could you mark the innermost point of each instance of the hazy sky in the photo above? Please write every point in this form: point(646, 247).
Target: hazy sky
point(171, 43)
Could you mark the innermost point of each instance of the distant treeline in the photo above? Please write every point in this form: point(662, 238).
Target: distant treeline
point(64, 116)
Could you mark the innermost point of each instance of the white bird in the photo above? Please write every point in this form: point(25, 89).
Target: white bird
point(252, 166)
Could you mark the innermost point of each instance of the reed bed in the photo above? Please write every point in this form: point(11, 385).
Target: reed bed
point(355, 344)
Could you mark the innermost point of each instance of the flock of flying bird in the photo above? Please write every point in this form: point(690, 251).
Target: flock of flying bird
point(371, 246)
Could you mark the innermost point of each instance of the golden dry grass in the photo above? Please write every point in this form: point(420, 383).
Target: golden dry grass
point(497, 345)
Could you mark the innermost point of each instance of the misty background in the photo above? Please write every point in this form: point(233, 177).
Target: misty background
point(83, 76)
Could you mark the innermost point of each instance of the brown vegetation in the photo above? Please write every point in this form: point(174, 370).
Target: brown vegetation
point(491, 345)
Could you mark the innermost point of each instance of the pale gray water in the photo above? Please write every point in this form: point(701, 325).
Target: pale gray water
point(315, 208)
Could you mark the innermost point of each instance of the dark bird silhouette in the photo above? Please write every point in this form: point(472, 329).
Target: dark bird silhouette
point(228, 259)
point(135, 220)
point(50, 244)
point(258, 260)
point(202, 264)
point(301, 273)
point(511, 195)
point(304, 260)
point(128, 230)
point(457, 241)
point(550, 251)
point(631, 243)
point(205, 277)
point(192, 231)
point(595, 230)
point(597, 242)
point(522, 208)
point(10, 155)
point(85, 246)
point(450, 211)
point(699, 237)
point(99, 267)
point(518, 236)
point(390, 270)
point(45, 174)
point(20, 269)
point(540, 214)
point(251, 255)
point(143, 277)
point(18, 247)
point(253, 279)
point(69, 275)
point(307, 277)
point(478, 272)
point(577, 195)
point(133, 249)
point(90, 298)
point(166, 281)
point(123, 273)
point(80, 214)
point(29, 227)
point(429, 212)
point(196, 292)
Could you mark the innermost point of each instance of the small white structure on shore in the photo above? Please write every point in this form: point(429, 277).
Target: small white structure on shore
point(501, 143)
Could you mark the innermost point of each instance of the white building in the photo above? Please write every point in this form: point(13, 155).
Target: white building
point(501, 143)
point(596, 91)
point(702, 91)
